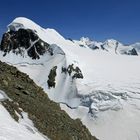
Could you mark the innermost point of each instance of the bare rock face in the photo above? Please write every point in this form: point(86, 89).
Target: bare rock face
point(133, 52)
point(51, 77)
point(24, 39)
point(74, 72)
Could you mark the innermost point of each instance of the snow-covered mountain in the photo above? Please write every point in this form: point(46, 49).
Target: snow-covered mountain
point(110, 45)
point(94, 81)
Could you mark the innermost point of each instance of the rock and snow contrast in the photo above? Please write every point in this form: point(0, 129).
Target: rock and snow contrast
point(98, 82)
point(110, 45)
point(11, 130)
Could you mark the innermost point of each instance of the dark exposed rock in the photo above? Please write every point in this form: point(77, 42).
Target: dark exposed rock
point(70, 39)
point(24, 39)
point(64, 70)
point(74, 72)
point(19, 87)
point(133, 52)
point(117, 45)
point(70, 69)
point(5, 43)
point(26, 92)
point(82, 45)
point(102, 47)
point(95, 48)
point(51, 77)
point(32, 53)
point(50, 51)
point(78, 73)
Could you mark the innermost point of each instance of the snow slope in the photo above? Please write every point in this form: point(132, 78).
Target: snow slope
point(12, 130)
point(107, 98)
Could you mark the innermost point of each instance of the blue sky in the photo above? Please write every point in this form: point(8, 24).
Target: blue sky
point(97, 19)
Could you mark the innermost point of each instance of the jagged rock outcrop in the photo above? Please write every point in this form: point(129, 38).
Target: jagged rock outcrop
point(132, 52)
point(24, 39)
point(74, 72)
point(51, 77)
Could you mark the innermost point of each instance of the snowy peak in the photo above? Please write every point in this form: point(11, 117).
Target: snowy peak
point(26, 38)
point(115, 46)
point(22, 22)
point(111, 43)
point(110, 46)
point(85, 39)
point(87, 43)
point(47, 35)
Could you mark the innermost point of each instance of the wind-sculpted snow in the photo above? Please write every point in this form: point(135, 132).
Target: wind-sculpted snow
point(106, 97)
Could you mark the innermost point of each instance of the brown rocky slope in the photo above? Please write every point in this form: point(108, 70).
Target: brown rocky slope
point(46, 115)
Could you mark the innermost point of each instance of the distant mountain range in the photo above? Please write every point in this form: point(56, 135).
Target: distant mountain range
point(109, 45)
